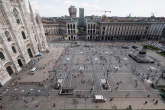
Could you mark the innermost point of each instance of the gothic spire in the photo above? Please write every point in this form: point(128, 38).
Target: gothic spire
point(31, 12)
point(30, 8)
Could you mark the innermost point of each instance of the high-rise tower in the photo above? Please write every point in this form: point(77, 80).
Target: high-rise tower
point(72, 11)
point(81, 12)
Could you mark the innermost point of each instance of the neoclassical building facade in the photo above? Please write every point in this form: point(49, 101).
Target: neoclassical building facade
point(122, 29)
point(22, 37)
point(128, 31)
point(72, 30)
point(54, 30)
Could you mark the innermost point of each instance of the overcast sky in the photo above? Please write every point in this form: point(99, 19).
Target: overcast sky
point(54, 8)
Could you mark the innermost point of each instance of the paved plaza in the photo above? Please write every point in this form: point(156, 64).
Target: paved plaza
point(82, 66)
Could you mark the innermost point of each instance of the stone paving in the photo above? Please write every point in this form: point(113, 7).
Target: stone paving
point(82, 66)
point(43, 67)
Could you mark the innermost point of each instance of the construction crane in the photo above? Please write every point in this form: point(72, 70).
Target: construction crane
point(105, 11)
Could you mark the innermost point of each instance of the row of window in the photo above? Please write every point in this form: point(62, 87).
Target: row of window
point(8, 36)
point(71, 26)
point(123, 38)
point(156, 32)
point(91, 26)
point(91, 31)
point(137, 27)
point(71, 31)
point(124, 28)
point(2, 57)
point(125, 33)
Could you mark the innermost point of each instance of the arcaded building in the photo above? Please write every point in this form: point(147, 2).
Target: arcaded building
point(112, 29)
point(22, 37)
point(72, 30)
point(66, 30)
point(128, 31)
point(54, 29)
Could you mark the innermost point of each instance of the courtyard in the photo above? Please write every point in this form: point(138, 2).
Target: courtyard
point(82, 67)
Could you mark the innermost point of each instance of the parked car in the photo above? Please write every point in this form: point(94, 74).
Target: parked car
point(38, 55)
point(134, 47)
point(33, 69)
point(99, 99)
